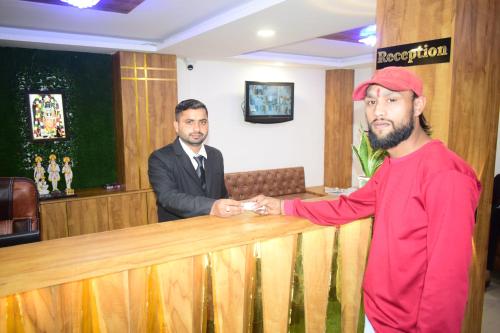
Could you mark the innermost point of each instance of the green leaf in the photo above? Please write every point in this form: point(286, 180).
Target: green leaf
point(369, 159)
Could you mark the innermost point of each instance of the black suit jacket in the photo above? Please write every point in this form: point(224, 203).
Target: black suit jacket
point(177, 187)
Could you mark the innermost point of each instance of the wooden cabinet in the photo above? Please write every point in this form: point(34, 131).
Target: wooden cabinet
point(96, 210)
point(53, 220)
point(87, 216)
point(127, 211)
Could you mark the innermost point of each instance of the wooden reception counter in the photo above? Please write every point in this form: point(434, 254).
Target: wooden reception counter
point(205, 273)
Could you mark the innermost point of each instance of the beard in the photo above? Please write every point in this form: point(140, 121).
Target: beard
point(192, 141)
point(394, 138)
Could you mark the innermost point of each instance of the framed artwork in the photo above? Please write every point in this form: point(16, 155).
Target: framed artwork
point(47, 116)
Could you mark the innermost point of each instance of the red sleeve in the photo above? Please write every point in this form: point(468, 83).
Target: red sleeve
point(450, 202)
point(357, 205)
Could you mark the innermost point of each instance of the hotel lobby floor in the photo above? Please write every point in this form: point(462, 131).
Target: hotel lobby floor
point(491, 308)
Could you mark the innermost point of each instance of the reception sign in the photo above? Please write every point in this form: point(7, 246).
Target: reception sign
point(421, 53)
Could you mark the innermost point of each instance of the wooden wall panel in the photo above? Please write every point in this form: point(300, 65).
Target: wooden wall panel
point(53, 219)
point(87, 216)
point(317, 276)
point(338, 127)
point(277, 262)
point(403, 22)
point(463, 96)
point(146, 96)
point(127, 210)
point(473, 124)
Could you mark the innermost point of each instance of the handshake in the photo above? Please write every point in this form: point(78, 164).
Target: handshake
point(260, 204)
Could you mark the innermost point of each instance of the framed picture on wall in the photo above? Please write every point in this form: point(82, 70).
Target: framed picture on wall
point(47, 116)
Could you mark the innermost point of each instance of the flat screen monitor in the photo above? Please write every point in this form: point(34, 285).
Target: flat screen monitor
point(268, 102)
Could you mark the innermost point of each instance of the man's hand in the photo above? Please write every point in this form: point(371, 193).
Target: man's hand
point(225, 208)
point(267, 205)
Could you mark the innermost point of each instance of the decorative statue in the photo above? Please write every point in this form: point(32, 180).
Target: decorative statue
point(43, 188)
point(68, 174)
point(39, 175)
point(39, 172)
point(53, 170)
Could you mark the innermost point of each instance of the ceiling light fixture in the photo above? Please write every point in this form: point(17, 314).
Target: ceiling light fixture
point(370, 40)
point(368, 35)
point(82, 3)
point(266, 33)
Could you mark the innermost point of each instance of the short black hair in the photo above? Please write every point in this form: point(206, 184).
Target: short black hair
point(189, 104)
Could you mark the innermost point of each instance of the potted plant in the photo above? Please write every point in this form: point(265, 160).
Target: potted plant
point(369, 159)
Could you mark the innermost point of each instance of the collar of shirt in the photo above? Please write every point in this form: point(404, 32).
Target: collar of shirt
point(192, 154)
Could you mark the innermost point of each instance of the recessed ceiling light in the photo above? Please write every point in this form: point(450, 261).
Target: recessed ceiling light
point(82, 3)
point(266, 33)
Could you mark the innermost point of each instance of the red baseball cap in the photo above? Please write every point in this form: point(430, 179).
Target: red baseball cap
point(392, 78)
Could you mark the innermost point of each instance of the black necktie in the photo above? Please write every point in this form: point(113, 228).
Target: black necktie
point(200, 171)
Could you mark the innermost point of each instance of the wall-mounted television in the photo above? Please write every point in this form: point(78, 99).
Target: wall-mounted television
point(268, 102)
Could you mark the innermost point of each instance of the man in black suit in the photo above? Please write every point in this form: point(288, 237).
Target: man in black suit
point(187, 175)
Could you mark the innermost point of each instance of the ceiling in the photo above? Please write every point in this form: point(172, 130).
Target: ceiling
point(194, 29)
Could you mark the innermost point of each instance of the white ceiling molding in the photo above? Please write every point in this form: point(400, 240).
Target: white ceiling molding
point(309, 60)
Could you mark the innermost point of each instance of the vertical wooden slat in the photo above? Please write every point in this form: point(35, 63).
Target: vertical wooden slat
point(10, 316)
point(69, 304)
point(277, 260)
point(338, 127)
point(39, 311)
point(87, 216)
point(231, 288)
point(108, 308)
point(138, 298)
point(353, 243)
point(182, 285)
point(317, 252)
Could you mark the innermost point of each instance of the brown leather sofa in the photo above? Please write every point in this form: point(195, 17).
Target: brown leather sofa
point(19, 216)
point(283, 183)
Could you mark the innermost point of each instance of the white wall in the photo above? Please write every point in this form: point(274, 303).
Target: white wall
point(247, 146)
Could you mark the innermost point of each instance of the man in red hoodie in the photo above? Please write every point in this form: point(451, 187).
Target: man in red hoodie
point(423, 199)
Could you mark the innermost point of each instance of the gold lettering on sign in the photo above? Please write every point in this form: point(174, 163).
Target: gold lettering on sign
point(410, 55)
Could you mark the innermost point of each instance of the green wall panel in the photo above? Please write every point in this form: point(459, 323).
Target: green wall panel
point(85, 80)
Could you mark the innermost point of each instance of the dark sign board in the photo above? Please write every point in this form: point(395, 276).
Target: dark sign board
point(422, 53)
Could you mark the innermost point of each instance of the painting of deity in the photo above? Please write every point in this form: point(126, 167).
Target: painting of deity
point(47, 116)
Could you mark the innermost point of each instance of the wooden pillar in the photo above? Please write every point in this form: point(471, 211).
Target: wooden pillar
point(145, 96)
point(463, 97)
point(338, 127)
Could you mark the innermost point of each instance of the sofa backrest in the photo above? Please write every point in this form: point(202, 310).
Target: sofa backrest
point(271, 182)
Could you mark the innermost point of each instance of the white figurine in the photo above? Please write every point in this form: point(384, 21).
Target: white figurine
point(68, 175)
point(38, 173)
point(43, 188)
point(53, 170)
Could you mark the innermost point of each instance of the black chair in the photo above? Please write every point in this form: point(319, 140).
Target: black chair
point(19, 211)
